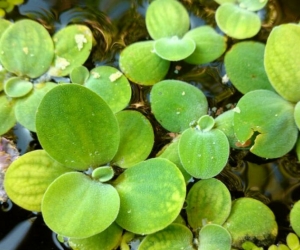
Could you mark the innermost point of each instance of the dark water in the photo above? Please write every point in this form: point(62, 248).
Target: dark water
point(115, 25)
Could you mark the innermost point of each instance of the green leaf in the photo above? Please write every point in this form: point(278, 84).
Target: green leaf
point(212, 237)
point(73, 45)
point(295, 217)
point(174, 236)
point(79, 75)
point(76, 206)
point(293, 241)
point(206, 123)
point(161, 23)
point(149, 200)
point(141, 65)
point(26, 107)
point(208, 201)
point(7, 114)
point(252, 5)
point(107, 240)
point(251, 220)
point(174, 49)
point(103, 174)
point(244, 64)
point(17, 87)
point(80, 130)
point(203, 154)
point(297, 114)
point(209, 45)
point(22, 45)
point(4, 24)
point(282, 57)
point(111, 85)
point(136, 138)
point(225, 1)
point(237, 22)
point(270, 119)
point(175, 104)
point(28, 177)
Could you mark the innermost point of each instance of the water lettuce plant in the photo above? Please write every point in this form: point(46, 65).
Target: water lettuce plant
point(103, 179)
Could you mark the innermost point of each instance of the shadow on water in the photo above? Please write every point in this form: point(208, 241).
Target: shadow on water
point(116, 24)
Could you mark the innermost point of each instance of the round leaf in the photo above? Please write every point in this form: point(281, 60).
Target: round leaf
point(237, 22)
point(26, 40)
point(161, 23)
point(26, 107)
point(252, 5)
point(136, 138)
point(17, 87)
point(7, 114)
point(103, 174)
point(73, 45)
point(282, 57)
point(213, 237)
point(79, 75)
point(206, 123)
point(251, 220)
point(79, 130)
point(28, 177)
point(141, 65)
point(209, 45)
point(149, 200)
point(208, 201)
point(270, 119)
point(76, 206)
point(111, 85)
point(203, 154)
point(295, 217)
point(244, 64)
point(175, 104)
point(293, 241)
point(174, 49)
point(107, 240)
point(174, 236)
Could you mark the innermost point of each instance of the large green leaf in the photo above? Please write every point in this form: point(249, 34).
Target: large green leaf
point(282, 57)
point(167, 18)
point(270, 119)
point(73, 45)
point(7, 114)
point(76, 127)
point(136, 138)
point(244, 64)
point(28, 177)
point(26, 48)
point(175, 236)
point(251, 220)
point(111, 85)
point(142, 65)
point(76, 206)
point(152, 194)
point(175, 104)
point(208, 201)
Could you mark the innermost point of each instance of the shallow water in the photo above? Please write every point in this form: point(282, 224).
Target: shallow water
point(118, 23)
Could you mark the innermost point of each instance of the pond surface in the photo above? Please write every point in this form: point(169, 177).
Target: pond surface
point(116, 24)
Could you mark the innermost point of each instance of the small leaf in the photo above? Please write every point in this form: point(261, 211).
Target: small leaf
point(282, 57)
point(149, 200)
point(295, 217)
point(103, 174)
point(292, 241)
point(22, 45)
point(174, 49)
point(244, 64)
point(206, 123)
point(212, 237)
point(203, 154)
point(26, 107)
point(251, 220)
point(136, 138)
point(237, 22)
point(141, 65)
point(209, 45)
point(73, 45)
point(17, 87)
point(111, 85)
point(76, 206)
point(252, 5)
point(270, 119)
point(107, 240)
point(7, 114)
point(161, 23)
point(80, 130)
point(28, 177)
point(174, 236)
point(79, 75)
point(175, 104)
point(208, 201)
